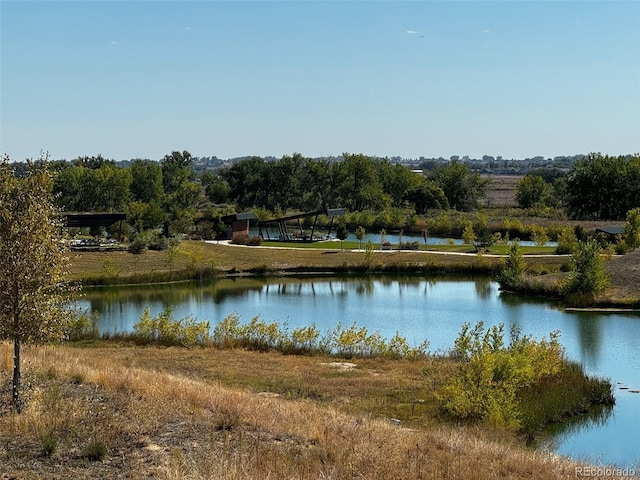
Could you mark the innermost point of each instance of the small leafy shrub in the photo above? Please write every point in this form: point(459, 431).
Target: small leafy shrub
point(305, 339)
point(514, 227)
point(631, 229)
point(369, 254)
point(512, 273)
point(159, 243)
point(80, 327)
point(95, 449)
point(539, 234)
point(77, 326)
point(410, 245)
point(140, 244)
point(587, 276)
point(255, 241)
point(262, 335)
point(489, 376)
point(468, 235)
point(348, 342)
point(441, 225)
point(49, 441)
point(353, 341)
point(240, 239)
point(228, 331)
point(567, 241)
point(245, 239)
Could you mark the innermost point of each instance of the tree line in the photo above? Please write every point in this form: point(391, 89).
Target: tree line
point(598, 187)
point(169, 194)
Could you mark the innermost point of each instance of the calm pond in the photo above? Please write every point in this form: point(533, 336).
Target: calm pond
point(419, 308)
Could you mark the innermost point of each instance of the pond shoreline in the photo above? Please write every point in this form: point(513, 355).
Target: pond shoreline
point(204, 261)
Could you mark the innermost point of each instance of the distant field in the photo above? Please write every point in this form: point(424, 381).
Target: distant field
point(501, 191)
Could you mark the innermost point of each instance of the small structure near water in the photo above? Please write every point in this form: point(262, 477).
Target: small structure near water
point(296, 233)
point(237, 224)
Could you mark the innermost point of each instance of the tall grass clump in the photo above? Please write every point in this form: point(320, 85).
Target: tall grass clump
point(571, 392)
point(494, 382)
point(165, 330)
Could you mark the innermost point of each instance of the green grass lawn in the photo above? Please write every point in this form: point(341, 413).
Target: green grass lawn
point(465, 248)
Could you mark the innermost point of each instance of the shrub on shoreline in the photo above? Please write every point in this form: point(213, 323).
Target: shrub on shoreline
point(521, 386)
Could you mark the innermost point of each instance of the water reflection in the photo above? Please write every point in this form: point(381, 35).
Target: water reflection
point(554, 434)
point(589, 333)
point(483, 287)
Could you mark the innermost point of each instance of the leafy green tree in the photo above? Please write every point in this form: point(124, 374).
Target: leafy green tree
point(33, 264)
point(533, 190)
point(92, 163)
point(101, 189)
point(146, 181)
point(113, 188)
point(360, 232)
point(603, 187)
point(361, 187)
point(180, 192)
point(145, 216)
point(341, 233)
point(426, 194)
point(631, 229)
point(175, 170)
point(68, 188)
point(539, 234)
point(462, 188)
point(397, 180)
point(322, 178)
point(246, 183)
point(284, 182)
point(483, 232)
point(215, 187)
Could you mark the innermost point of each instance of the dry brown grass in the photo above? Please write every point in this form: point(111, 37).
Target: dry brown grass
point(501, 191)
point(625, 279)
point(175, 420)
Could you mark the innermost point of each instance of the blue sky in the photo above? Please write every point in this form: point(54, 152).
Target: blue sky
point(231, 78)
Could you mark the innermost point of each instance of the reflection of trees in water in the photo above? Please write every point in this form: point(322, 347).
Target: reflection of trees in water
point(554, 434)
point(483, 287)
point(365, 287)
point(588, 324)
point(516, 300)
point(589, 335)
point(105, 299)
point(101, 300)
